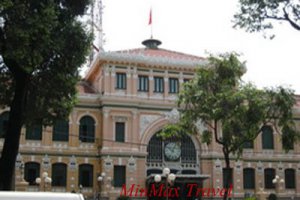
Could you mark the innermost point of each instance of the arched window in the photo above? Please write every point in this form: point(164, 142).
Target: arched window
point(87, 129)
point(32, 171)
point(61, 130)
point(267, 138)
point(34, 132)
point(290, 181)
point(269, 176)
point(249, 178)
point(154, 149)
point(184, 146)
point(86, 175)
point(188, 150)
point(59, 174)
point(3, 123)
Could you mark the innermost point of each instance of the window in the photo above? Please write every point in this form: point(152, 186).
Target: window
point(248, 145)
point(32, 171)
point(59, 174)
point(3, 123)
point(173, 85)
point(290, 181)
point(227, 177)
point(267, 138)
point(86, 175)
point(269, 176)
point(121, 81)
point(119, 176)
point(61, 130)
point(158, 84)
point(120, 132)
point(87, 129)
point(143, 84)
point(249, 178)
point(34, 132)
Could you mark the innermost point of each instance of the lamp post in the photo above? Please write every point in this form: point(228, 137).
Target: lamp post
point(44, 181)
point(80, 188)
point(276, 181)
point(170, 177)
point(100, 180)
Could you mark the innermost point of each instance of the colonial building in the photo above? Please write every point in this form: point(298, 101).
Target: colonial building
point(110, 139)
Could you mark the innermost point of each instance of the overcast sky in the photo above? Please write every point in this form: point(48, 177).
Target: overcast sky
point(200, 26)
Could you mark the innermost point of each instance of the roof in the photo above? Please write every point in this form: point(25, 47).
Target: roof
point(83, 87)
point(161, 53)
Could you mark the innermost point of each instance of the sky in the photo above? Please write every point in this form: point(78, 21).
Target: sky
point(199, 27)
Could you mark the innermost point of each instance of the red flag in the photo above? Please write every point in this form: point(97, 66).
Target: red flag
point(150, 17)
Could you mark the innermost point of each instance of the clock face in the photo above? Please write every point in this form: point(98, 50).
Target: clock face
point(172, 151)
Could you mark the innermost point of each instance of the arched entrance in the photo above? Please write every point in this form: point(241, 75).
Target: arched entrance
point(180, 155)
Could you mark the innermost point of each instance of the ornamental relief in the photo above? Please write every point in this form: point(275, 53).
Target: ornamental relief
point(146, 121)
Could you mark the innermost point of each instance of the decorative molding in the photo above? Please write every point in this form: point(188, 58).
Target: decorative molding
point(120, 118)
point(149, 60)
point(238, 166)
point(260, 167)
point(108, 163)
point(145, 121)
point(173, 116)
point(280, 166)
point(73, 163)
point(46, 162)
point(19, 161)
point(131, 164)
point(218, 166)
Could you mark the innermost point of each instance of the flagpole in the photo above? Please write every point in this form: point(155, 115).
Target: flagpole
point(151, 31)
point(150, 23)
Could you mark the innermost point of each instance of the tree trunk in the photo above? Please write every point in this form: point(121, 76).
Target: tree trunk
point(13, 132)
point(228, 174)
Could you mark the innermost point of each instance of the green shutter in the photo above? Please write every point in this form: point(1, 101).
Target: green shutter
point(120, 131)
point(87, 129)
point(249, 178)
point(34, 132)
point(61, 130)
point(267, 138)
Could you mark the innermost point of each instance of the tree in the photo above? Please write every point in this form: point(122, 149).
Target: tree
point(258, 15)
point(42, 44)
point(232, 112)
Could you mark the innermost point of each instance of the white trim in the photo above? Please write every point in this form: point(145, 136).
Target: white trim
point(87, 113)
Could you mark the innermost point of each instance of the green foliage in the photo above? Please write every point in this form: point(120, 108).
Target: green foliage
point(171, 130)
point(250, 198)
point(258, 15)
point(218, 98)
point(44, 41)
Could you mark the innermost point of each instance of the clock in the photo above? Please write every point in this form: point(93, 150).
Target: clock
point(172, 151)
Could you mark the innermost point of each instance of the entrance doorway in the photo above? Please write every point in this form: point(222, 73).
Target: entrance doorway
point(183, 188)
